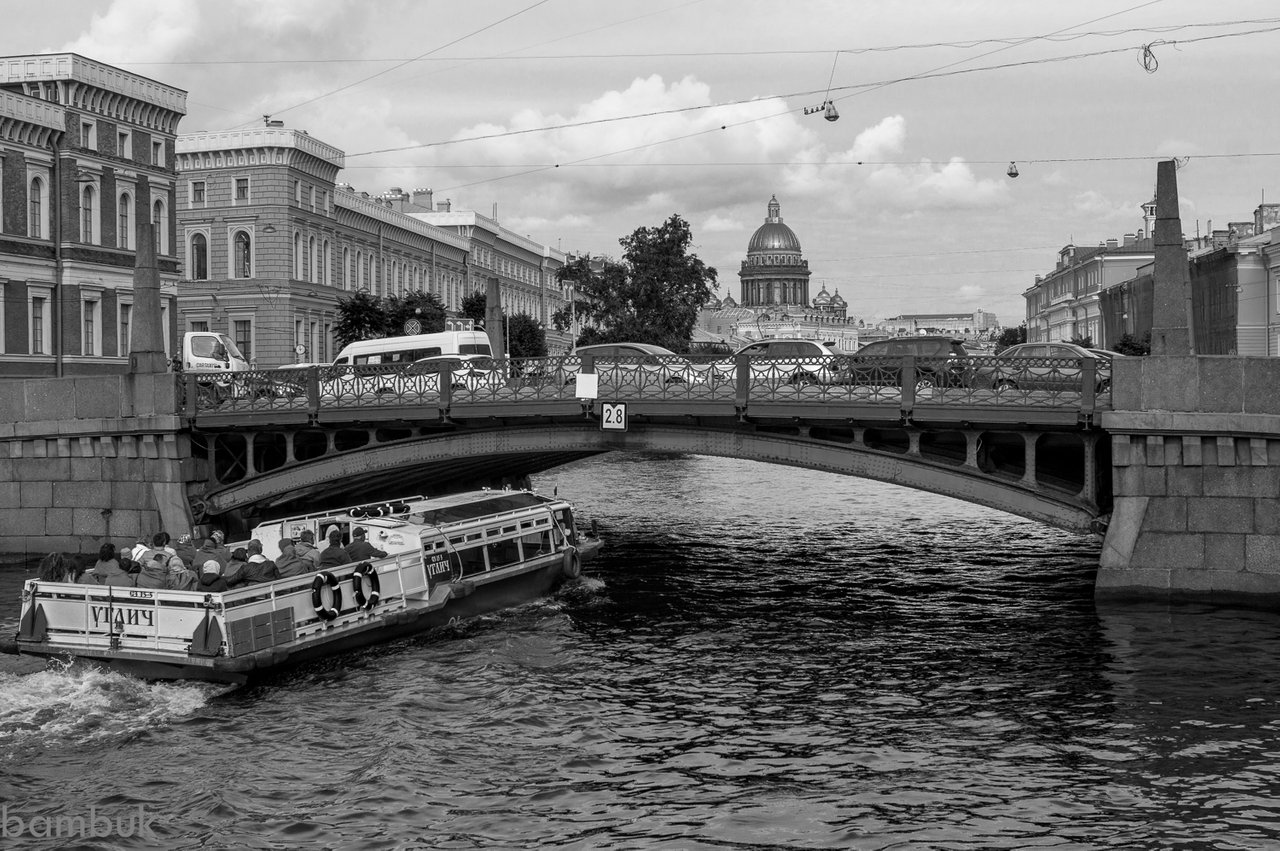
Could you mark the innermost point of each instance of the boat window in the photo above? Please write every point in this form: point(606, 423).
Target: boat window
point(503, 553)
point(528, 524)
point(456, 541)
point(472, 560)
point(536, 543)
point(507, 530)
point(475, 536)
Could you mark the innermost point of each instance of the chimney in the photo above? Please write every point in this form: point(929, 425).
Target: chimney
point(422, 199)
point(1111, 243)
point(446, 206)
point(1129, 239)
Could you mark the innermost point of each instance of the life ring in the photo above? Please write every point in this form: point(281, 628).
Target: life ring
point(572, 564)
point(364, 571)
point(326, 579)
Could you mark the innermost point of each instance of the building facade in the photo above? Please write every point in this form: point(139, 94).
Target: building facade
point(86, 159)
point(271, 241)
point(960, 324)
point(1064, 304)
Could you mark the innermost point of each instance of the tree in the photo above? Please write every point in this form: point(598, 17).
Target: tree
point(1131, 345)
point(473, 307)
point(652, 296)
point(368, 317)
point(526, 338)
point(1011, 337)
point(1085, 342)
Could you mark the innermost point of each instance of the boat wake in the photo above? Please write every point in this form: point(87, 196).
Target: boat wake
point(72, 703)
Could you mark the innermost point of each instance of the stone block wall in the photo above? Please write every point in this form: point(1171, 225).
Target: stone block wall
point(1196, 479)
point(87, 460)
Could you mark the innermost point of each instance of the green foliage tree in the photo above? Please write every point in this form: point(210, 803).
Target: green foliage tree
point(473, 307)
point(1131, 345)
point(652, 296)
point(1011, 337)
point(1085, 342)
point(368, 317)
point(526, 338)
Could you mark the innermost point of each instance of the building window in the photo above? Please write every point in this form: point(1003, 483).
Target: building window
point(297, 192)
point(160, 224)
point(125, 342)
point(313, 199)
point(88, 135)
point(124, 145)
point(39, 327)
point(297, 256)
point(199, 257)
point(199, 325)
point(242, 189)
point(124, 208)
point(86, 215)
point(35, 209)
point(346, 268)
point(197, 193)
point(326, 265)
point(90, 343)
point(157, 153)
point(242, 331)
point(243, 255)
point(314, 272)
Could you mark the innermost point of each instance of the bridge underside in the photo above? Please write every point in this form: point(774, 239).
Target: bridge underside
point(1048, 476)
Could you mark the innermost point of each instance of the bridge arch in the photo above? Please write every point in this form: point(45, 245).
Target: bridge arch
point(952, 463)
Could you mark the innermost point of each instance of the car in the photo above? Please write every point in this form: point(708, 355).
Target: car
point(1053, 366)
point(940, 362)
point(784, 360)
point(634, 363)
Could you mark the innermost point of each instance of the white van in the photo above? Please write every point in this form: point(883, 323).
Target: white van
point(209, 351)
point(406, 350)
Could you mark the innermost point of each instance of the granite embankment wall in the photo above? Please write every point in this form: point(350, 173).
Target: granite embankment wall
point(87, 460)
point(1196, 478)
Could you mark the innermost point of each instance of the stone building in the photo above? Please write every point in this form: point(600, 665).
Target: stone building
point(775, 275)
point(86, 158)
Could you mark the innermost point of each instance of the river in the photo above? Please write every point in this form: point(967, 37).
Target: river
point(762, 657)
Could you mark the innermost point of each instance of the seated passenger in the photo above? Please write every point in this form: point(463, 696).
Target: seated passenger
point(211, 577)
point(107, 568)
point(359, 549)
point(179, 578)
point(155, 572)
point(334, 554)
point(290, 563)
point(210, 550)
point(306, 548)
point(260, 568)
point(236, 573)
point(185, 550)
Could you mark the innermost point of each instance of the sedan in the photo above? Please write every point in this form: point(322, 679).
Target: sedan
point(636, 363)
point(786, 361)
point(1043, 366)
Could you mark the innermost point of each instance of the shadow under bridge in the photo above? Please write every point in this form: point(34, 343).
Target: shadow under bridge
point(1057, 476)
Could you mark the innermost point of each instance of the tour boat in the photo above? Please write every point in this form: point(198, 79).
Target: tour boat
point(448, 558)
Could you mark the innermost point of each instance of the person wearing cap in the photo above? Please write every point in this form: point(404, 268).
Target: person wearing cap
point(185, 550)
point(211, 577)
point(290, 563)
point(220, 545)
point(306, 548)
point(359, 549)
point(335, 554)
point(180, 578)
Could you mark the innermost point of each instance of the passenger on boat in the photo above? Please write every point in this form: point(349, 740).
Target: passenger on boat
point(260, 568)
point(306, 548)
point(155, 571)
point(180, 578)
point(236, 574)
point(290, 563)
point(359, 549)
point(209, 550)
point(211, 577)
point(224, 553)
point(138, 550)
point(185, 550)
point(335, 554)
point(107, 569)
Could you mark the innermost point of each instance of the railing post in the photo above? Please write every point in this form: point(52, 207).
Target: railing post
point(444, 384)
point(908, 381)
point(742, 381)
point(189, 386)
point(1088, 385)
point(313, 390)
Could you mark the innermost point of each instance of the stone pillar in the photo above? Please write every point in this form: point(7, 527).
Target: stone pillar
point(147, 354)
point(493, 318)
point(1171, 331)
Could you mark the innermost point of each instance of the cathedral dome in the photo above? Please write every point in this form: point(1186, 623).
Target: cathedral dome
point(823, 297)
point(773, 235)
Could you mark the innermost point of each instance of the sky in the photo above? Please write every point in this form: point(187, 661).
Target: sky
point(580, 121)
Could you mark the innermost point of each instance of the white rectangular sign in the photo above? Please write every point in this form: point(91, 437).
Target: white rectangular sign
point(587, 385)
point(613, 416)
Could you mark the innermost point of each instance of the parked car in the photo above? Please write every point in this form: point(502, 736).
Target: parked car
point(1044, 366)
point(786, 361)
point(940, 362)
point(638, 363)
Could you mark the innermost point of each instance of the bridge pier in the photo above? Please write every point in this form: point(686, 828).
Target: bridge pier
point(1196, 478)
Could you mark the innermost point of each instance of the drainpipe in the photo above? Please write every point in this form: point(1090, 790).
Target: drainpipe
point(55, 207)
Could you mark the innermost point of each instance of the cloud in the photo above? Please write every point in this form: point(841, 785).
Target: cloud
point(719, 224)
point(970, 292)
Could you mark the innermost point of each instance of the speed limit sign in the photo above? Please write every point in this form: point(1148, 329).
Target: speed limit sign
point(613, 416)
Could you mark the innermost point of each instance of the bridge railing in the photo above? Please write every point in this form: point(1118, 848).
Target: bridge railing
point(1061, 384)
